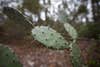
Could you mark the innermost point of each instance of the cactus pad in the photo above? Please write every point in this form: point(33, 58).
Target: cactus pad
point(71, 30)
point(49, 37)
point(75, 55)
point(8, 58)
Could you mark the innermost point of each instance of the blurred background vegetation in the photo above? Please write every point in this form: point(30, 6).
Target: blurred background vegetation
point(84, 15)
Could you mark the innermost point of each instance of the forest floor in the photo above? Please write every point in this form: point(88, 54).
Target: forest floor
point(33, 54)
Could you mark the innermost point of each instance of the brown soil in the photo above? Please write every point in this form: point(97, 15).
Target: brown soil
point(32, 54)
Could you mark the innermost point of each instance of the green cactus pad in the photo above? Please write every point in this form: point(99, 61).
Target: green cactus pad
point(8, 58)
point(71, 30)
point(75, 55)
point(49, 37)
point(63, 18)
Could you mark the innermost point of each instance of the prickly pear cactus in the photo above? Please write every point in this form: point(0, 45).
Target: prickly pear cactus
point(75, 55)
point(49, 37)
point(8, 58)
point(63, 18)
point(71, 30)
point(75, 50)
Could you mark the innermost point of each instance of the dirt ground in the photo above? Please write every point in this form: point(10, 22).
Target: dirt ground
point(33, 54)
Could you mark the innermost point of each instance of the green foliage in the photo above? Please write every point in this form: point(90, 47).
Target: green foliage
point(94, 54)
point(8, 58)
point(82, 9)
point(93, 63)
point(75, 55)
point(63, 17)
point(71, 30)
point(75, 50)
point(83, 30)
point(49, 37)
point(91, 30)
